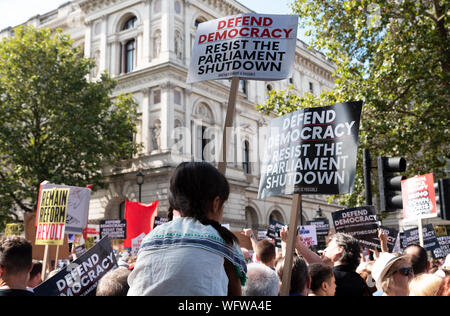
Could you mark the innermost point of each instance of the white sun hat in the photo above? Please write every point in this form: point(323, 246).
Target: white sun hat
point(382, 266)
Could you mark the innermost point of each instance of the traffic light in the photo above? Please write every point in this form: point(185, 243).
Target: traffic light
point(442, 188)
point(390, 184)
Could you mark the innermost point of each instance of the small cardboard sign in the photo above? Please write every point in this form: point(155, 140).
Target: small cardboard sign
point(308, 235)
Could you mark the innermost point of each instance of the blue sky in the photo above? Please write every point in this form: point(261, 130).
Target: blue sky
point(15, 12)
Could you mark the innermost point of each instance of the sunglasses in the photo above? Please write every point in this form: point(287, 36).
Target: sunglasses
point(406, 271)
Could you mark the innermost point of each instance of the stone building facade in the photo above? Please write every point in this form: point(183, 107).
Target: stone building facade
point(146, 46)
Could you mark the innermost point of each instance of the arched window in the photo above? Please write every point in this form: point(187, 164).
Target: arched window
point(276, 216)
point(129, 24)
point(251, 218)
point(130, 55)
point(246, 163)
point(198, 21)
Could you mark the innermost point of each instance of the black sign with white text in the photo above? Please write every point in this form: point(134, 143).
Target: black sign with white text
point(312, 151)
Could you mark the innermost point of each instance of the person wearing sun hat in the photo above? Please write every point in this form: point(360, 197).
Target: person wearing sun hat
point(392, 274)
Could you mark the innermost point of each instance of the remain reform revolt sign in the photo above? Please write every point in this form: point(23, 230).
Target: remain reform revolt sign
point(312, 151)
point(249, 46)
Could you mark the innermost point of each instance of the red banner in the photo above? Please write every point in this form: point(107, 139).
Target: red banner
point(140, 218)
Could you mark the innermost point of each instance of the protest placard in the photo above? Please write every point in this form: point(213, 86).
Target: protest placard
point(114, 229)
point(261, 234)
point(13, 229)
point(273, 231)
point(250, 46)
point(444, 244)
point(419, 197)
point(77, 207)
point(136, 244)
point(322, 226)
point(392, 236)
point(359, 222)
point(308, 235)
point(160, 221)
point(81, 276)
point(51, 218)
point(430, 242)
point(312, 151)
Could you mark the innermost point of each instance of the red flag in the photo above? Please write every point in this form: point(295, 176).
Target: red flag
point(140, 219)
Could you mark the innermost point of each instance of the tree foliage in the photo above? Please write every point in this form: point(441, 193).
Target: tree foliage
point(394, 55)
point(56, 125)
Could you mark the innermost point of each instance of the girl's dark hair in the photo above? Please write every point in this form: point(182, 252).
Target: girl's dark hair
point(193, 187)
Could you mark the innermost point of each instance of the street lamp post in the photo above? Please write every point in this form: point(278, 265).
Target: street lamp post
point(140, 182)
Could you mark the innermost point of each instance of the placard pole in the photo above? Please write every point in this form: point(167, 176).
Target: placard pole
point(44, 264)
point(292, 234)
point(421, 232)
point(228, 124)
point(56, 256)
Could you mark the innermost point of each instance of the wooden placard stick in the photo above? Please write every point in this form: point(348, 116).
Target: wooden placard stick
point(231, 109)
point(56, 257)
point(290, 246)
point(421, 232)
point(44, 264)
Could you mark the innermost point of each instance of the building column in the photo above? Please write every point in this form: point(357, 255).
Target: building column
point(167, 30)
point(188, 108)
point(103, 44)
point(145, 120)
point(167, 116)
point(88, 40)
point(146, 35)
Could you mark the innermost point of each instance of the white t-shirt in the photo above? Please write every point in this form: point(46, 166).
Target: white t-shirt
point(183, 271)
point(183, 258)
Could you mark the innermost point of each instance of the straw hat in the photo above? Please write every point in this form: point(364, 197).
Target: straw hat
point(382, 266)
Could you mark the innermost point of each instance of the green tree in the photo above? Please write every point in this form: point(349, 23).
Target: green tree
point(56, 125)
point(394, 55)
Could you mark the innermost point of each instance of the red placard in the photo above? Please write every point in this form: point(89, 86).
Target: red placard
point(419, 197)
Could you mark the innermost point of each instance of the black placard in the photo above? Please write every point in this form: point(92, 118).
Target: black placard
point(114, 229)
point(312, 151)
point(80, 278)
point(360, 222)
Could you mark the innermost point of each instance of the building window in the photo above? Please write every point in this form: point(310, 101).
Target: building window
point(244, 86)
point(129, 56)
point(246, 163)
point(276, 216)
point(156, 96)
point(177, 7)
point(129, 24)
point(311, 87)
point(122, 210)
point(177, 97)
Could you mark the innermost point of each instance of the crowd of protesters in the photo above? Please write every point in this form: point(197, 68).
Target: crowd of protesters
point(194, 255)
